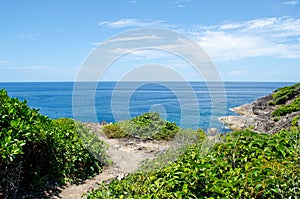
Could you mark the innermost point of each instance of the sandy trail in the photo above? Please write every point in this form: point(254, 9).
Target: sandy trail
point(126, 156)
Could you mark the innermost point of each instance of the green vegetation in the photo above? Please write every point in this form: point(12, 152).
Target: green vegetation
point(287, 99)
point(114, 131)
point(295, 121)
point(184, 138)
point(245, 165)
point(36, 150)
point(148, 125)
point(242, 164)
point(287, 108)
point(282, 95)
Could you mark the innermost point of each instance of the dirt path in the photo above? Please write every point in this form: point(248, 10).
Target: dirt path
point(126, 156)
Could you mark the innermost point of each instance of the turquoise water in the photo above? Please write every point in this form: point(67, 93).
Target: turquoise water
point(172, 100)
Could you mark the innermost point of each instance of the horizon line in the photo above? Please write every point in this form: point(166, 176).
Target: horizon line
point(228, 81)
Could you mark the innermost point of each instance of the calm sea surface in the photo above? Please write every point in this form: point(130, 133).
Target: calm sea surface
point(112, 101)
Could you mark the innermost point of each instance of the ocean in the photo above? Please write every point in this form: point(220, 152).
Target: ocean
point(190, 105)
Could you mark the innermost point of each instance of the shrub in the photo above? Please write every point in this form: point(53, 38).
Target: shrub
point(71, 142)
point(146, 118)
point(282, 95)
point(245, 165)
point(92, 142)
point(36, 150)
point(177, 147)
point(114, 131)
point(295, 121)
point(288, 108)
point(147, 125)
point(167, 132)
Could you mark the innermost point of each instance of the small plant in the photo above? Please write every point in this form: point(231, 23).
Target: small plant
point(295, 121)
point(114, 131)
point(276, 119)
point(167, 132)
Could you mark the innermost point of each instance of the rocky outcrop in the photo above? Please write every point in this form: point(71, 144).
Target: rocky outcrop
point(258, 116)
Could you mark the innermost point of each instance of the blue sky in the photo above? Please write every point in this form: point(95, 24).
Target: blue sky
point(49, 40)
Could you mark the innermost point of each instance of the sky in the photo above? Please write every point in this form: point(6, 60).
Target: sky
point(51, 40)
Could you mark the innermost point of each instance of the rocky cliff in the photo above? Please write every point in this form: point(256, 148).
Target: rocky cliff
point(269, 114)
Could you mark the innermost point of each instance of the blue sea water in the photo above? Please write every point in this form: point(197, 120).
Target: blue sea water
point(115, 101)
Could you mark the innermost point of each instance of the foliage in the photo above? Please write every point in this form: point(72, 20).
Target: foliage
point(147, 118)
point(114, 131)
point(92, 142)
point(70, 144)
point(282, 95)
point(287, 108)
point(287, 100)
point(295, 121)
point(147, 125)
point(245, 165)
point(178, 146)
point(167, 132)
point(36, 150)
point(189, 136)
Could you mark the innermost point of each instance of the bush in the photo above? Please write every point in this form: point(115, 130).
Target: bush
point(114, 131)
point(282, 95)
point(147, 125)
point(167, 132)
point(92, 142)
point(36, 150)
point(245, 165)
point(177, 147)
point(288, 108)
point(295, 122)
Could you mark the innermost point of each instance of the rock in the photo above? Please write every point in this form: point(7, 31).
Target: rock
point(213, 131)
point(258, 117)
point(237, 122)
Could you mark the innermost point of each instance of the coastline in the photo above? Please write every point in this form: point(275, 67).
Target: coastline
point(258, 117)
point(241, 121)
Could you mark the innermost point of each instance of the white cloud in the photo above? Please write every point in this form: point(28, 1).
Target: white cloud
point(252, 24)
point(293, 3)
point(274, 37)
point(277, 37)
point(222, 46)
point(181, 3)
point(134, 23)
point(144, 54)
point(230, 26)
point(126, 39)
point(261, 23)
